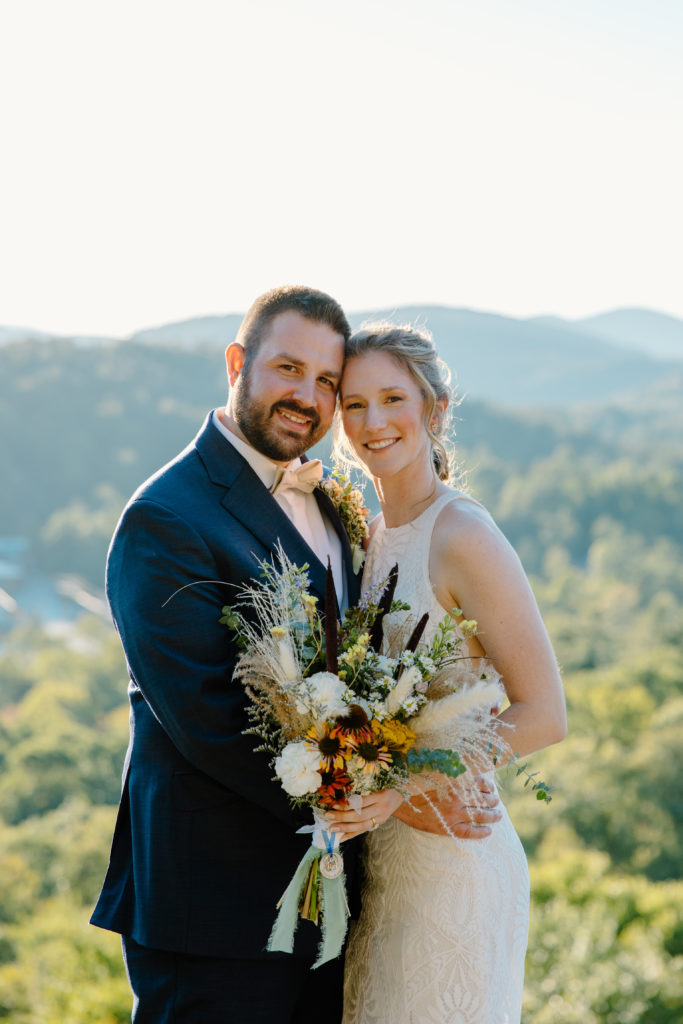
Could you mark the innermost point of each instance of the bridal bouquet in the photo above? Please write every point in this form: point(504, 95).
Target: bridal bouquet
point(341, 720)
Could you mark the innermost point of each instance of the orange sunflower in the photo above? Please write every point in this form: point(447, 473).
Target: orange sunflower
point(372, 756)
point(334, 787)
point(331, 745)
point(354, 726)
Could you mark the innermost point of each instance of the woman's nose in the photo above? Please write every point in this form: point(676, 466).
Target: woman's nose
point(375, 417)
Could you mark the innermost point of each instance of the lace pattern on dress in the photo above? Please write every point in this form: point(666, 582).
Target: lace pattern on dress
point(443, 930)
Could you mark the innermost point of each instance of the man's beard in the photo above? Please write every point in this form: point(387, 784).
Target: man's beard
point(255, 420)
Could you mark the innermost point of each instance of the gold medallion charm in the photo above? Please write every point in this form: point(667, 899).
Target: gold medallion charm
point(331, 865)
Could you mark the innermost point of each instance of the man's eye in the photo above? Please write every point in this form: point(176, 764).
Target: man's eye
point(394, 398)
point(326, 382)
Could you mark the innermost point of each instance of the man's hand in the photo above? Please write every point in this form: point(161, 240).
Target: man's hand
point(467, 816)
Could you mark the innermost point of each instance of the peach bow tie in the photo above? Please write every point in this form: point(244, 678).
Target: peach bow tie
point(303, 478)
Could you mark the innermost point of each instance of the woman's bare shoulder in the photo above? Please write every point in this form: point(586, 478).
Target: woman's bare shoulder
point(465, 529)
point(464, 515)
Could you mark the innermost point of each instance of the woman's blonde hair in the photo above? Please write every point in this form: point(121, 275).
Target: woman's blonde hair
point(413, 349)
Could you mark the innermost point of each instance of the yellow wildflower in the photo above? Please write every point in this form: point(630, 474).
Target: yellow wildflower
point(468, 628)
point(396, 735)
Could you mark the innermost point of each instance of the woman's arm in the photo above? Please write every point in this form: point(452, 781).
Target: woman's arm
point(473, 567)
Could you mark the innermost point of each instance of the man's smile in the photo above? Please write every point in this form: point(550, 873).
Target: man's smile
point(293, 417)
point(294, 420)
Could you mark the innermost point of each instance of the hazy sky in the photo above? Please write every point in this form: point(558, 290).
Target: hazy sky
point(162, 159)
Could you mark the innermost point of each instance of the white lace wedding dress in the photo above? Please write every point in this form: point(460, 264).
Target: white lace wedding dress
point(443, 930)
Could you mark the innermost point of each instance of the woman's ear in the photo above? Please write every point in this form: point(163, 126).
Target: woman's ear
point(438, 414)
point(234, 360)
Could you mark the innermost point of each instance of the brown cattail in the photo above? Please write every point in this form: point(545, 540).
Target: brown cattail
point(416, 635)
point(384, 608)
point(331, 637)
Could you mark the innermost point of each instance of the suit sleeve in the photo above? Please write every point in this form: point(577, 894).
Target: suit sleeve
point(166, 596)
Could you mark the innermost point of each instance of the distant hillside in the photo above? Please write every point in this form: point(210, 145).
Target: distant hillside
point(87, 424)
point(200, 330)
point(497, 358)
point(10, 335)
point(645, 330)
point(542, 361)
point(521, 362)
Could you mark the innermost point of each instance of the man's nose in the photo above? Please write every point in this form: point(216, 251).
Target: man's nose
point(305, 391)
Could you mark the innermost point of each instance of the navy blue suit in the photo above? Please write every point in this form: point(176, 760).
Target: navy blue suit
point(205, 841)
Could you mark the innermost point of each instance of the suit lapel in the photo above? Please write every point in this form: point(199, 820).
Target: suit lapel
point(256, 509)
point(245, 498)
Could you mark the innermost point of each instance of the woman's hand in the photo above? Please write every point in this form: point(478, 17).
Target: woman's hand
point(374, 811)
point(467, 814)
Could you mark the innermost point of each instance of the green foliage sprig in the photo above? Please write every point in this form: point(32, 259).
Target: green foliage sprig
point(446, 762)
point(542, 789)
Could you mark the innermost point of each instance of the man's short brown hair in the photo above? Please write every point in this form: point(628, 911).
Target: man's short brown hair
point(308, 302)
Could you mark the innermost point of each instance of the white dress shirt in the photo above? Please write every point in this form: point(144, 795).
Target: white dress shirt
point(300, 508)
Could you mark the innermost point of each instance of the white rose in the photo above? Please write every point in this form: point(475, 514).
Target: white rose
point(327, 692)
point(297, 769)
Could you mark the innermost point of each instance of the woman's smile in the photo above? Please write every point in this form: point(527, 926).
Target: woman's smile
point(376, 446)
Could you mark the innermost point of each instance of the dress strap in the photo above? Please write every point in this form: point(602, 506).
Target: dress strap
point(435, 508)
point(424, 523)
point(461, 496)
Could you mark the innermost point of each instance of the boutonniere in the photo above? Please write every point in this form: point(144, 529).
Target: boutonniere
point(350, 507)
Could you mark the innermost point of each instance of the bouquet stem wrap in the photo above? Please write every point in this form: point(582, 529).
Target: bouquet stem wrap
point(322, 895)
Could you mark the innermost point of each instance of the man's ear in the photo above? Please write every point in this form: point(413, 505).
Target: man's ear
point(234, 360)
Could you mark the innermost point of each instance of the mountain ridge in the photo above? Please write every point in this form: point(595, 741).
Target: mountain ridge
point(640, 328)
point(535, 361)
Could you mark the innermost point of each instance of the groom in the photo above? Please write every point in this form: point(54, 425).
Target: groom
point(205, 841)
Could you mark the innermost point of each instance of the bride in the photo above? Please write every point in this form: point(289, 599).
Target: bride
point(443, 930)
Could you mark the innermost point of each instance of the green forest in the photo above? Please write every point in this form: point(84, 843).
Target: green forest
point(591, 498)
